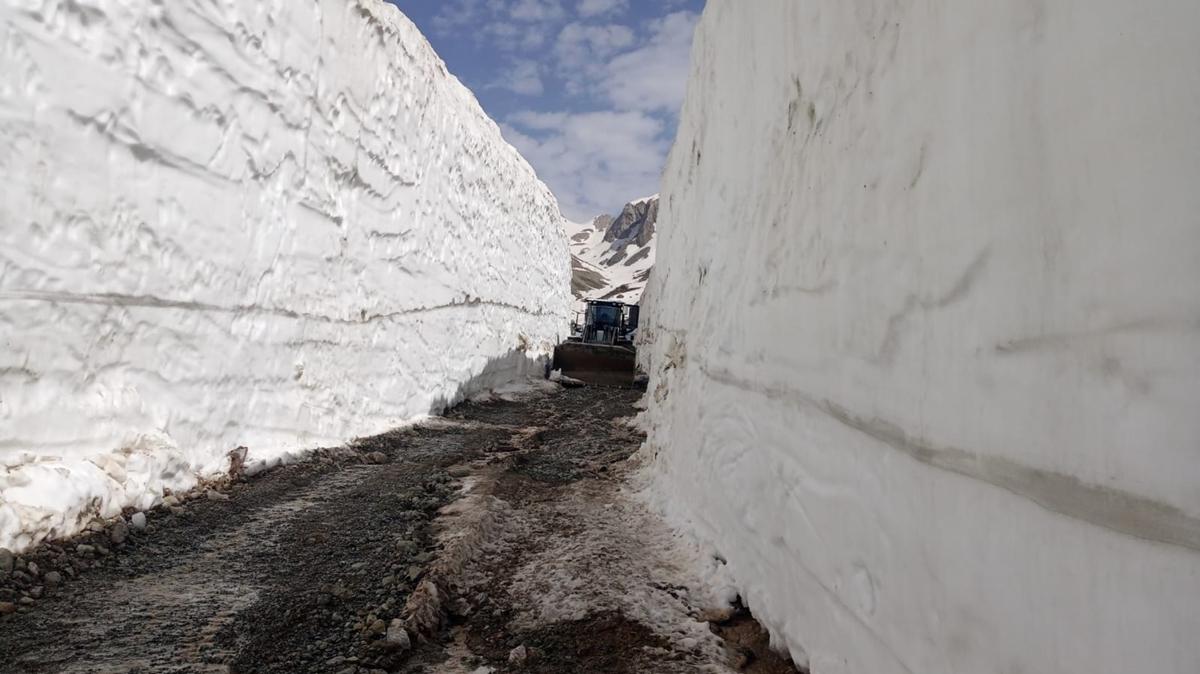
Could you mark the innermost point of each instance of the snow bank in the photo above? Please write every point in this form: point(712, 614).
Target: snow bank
point(924, 330)
point(272, 224)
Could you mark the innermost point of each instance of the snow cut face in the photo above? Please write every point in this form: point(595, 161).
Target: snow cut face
point(269, 224)
point(922, 331)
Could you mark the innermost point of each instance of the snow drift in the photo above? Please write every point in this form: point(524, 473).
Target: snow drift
point(924, 330)
point(270, 224)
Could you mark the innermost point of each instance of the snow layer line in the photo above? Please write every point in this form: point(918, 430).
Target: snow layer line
point(265, 224)
point(924, 330)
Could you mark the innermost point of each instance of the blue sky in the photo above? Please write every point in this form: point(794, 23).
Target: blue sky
point(588, 90)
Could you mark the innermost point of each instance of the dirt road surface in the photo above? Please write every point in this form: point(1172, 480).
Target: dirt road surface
point(504, 537)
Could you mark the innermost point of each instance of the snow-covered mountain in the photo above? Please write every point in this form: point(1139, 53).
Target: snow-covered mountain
point(611, 257)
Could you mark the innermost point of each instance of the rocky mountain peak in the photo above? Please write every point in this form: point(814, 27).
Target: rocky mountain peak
point(636, 222)
point(612, 257)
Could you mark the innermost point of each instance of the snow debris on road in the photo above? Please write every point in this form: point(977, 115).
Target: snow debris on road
point(551, 545)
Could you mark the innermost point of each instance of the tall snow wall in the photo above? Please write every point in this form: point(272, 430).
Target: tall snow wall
point(924, 330)
point(272, 224)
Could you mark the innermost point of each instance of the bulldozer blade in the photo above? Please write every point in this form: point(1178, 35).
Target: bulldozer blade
point(599, 364)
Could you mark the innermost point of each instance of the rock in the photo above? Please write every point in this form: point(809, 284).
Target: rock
point(53, 578)
point(84, 549)
point(96, 526)
point(636, 222)
point(377, 626)
point(118, 532)
point(26, 601)
point(571, 382)
point(518, 656)
point(214, 495)
point(7, 607)
point(459, 471)
point(397, 636)
point(170, 501)
point(138, 521)
point(33, 568)
point(101, 550)
point(36, 592)
point(377, 457)
point(6, 562)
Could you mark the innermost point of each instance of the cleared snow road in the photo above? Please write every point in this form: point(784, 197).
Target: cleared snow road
point(542, 562)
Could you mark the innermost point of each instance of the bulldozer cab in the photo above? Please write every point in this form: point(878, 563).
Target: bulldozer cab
point(609, 323)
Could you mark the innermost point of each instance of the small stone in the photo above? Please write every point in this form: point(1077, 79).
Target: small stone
point(26, 601)
point(377, 627)
point(96, 526)
point(459, 471)
point(138, 521)
point(214, 495)
point(397, 636)
point(170, 501)
point(6, 562)
point(7, 607)
point(36, 592)
point(518, 656)
point(84, 549)
point(377, 457)
point(119, 532)
point(33, 569)
point(53, 578)
point(101, 550)
point(571, 382)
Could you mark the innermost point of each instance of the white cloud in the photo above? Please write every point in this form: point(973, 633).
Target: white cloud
point(494, 19)
point(594, 161)
point(524, 77)
point(623, 84)
point(579, 44)
point(591, 8)
point(653, 77)
point(537, 10)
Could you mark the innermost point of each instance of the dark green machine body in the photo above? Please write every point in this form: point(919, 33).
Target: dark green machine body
point(600, 350)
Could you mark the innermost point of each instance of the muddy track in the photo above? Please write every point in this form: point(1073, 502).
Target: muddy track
point(286, 575)
point(303, 568)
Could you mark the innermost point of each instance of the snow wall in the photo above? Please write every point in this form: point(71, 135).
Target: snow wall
point(273, 224)
point(924, 330)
